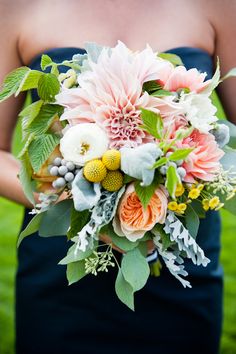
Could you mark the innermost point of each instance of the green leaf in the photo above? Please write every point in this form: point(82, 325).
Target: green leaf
point(45, 61)
point(172, 58)
point(30, 113)
point(71, 257)
point(162, 93)
point(56, 220)
point(44, 119)
point(119, 241)
point(232, 132)
point(228, 161)
point(165, 238)
point(31, 228)
point(128, 179)
point(162, 161)
point(41, 148)
point(231, 73)
point(12, 82)
point(75, 271)
point(152, 123)
point(215, 80)
point(192, 221)
point(48, 87)
point(30, 81)
point(25, 175)
point(172, 179)
point(230, 205)
point(145, 193)
point(180, 154)
point(197, 206)
point(77, 222)
point(151, 86)
point(135, 269)
point(124, 291)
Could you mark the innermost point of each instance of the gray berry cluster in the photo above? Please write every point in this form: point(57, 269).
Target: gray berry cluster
point(65, 170)
point(177, 164)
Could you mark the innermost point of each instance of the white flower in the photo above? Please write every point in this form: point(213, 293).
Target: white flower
point(83, 142)
point(199, 111)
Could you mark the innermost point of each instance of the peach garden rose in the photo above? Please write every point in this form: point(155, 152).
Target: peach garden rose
point(132, 220)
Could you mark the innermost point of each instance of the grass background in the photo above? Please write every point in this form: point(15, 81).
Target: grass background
point(10, 221)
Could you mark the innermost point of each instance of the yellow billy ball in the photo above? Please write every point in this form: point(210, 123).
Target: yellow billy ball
point(95, 171)
point(113, 181)
point(111, 159)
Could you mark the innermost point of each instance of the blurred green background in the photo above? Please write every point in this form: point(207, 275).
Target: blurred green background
point(10, 221)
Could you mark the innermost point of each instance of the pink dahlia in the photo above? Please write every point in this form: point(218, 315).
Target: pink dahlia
point(180, 78)
point(111, 95)
point(203, 162)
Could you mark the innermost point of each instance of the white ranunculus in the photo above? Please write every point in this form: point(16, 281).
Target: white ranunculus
point(83, 142)
point(199, 111)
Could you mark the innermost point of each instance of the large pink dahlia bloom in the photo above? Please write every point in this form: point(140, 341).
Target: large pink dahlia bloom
point(111, 95)
point(203, 162)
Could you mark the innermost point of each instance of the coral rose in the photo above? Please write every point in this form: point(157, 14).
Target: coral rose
point(203, 162)
point(132, 220)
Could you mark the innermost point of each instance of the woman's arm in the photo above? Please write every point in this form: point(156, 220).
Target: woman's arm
point(10, 186)
point(223, 20)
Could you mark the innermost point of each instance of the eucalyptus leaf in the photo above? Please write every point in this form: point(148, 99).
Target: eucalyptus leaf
point(192, 221)
point(228, 161)
point(124, 291)
point(31, 228)
point(121, 242)
point(72, 257)
point(232, 131)
point(41, 148)
point(56, 220)
point(75, 271)
point(78, 220)
point(230, 205)
point(135, 269)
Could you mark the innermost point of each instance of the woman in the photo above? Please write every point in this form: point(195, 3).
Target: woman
point(87, 317)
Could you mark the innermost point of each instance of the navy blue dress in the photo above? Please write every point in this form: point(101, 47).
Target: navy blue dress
point(88, 318)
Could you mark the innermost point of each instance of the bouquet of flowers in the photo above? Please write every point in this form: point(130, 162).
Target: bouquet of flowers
point(124, 144)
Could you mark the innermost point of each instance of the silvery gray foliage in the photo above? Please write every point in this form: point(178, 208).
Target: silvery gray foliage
point(172, 259)
point(137, 162)
point(221, 134)
point(102, 213)
point(85, 194)
point(46, 200)
point(185, 242)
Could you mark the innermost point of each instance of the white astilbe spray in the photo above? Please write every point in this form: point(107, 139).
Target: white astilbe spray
point(172, 259)
point(185, 242)
point(102, 213)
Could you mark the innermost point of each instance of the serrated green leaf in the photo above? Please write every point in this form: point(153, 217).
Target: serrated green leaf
point(135, 269)
point(56, 220)
point(12, 82)
point(77, 222)
point(75, 271)
point(29, 81)
point(25, 176)
point(24, 150)
point(71, 257)
point(152, 123)
point(172, 58)
point(180, 154)
point(124, 291)
point(44, 119)
point(121, 242)
point(162, 161)
point(48, 87)
point(192, 221)
point(31, 228)
point(41, 148)
point(172, 179)
point(29, 113)
point(45, 61)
